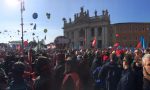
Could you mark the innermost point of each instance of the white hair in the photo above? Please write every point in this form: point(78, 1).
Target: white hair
point(145, 57)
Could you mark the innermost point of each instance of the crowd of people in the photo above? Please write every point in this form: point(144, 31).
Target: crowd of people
point(89, 69)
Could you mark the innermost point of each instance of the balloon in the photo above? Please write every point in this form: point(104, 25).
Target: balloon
point(33, 34)
point(31, 24)
point(5, 30)
point(48, 15)
point(35, 15)
point(45, 30)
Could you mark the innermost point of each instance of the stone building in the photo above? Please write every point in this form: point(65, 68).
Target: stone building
point(129, 33)
point(84, 29)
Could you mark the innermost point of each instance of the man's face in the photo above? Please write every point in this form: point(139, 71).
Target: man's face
point(147, 64)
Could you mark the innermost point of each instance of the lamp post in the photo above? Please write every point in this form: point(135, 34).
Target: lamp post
point(22, 9)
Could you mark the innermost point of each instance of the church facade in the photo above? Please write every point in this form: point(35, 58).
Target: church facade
point(84, 29)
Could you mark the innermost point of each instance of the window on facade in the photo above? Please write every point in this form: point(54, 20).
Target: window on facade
point(72, 44)
point(67, 34)
point(92, 32)
point(99, 44)
point(81, 43)
point(81, 33)
point(99, 31)
point(72, 34)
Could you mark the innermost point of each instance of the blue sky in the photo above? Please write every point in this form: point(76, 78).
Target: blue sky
point(119, 10)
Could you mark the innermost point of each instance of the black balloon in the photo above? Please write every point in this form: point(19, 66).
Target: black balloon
point(35, 15)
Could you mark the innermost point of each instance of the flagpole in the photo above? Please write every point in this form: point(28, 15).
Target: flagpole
point(22, 9)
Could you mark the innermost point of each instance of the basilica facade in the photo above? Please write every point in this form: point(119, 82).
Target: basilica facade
point(84, 29)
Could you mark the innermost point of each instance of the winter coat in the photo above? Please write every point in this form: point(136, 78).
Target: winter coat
point(146, 84)
point(110, 73)
point(127, 81)
point(19, 84)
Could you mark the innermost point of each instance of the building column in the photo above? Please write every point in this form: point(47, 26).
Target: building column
point(76, 39)
point(103, 36)
point(85, 38)
point(96, 35)
point(106, 37)
point(88, 38)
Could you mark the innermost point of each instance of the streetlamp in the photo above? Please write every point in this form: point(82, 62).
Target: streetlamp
point(22, 9)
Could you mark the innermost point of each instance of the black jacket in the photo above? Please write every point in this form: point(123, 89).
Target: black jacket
point(127, 81)
point(110, 73)
point(146, 84)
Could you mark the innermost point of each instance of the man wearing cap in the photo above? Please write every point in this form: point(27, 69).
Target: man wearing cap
point(146, 72)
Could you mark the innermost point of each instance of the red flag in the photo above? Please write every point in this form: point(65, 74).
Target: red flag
point(94, 42)
point(117, 35)
point(139, 45)
point(116, 44)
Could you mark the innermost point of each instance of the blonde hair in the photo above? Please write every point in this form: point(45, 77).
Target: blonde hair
point(144, 58)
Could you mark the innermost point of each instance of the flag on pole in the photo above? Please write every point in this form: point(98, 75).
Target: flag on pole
point(141, 43)
point(48, 15)
point(116, 44)
point(34, 27)
point(94, 42)
point(117, 35)
point(45, 37)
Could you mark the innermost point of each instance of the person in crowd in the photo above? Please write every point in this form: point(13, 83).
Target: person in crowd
point(138, 52)
point(110, 73)
point(59, 70)
point(85, 73)
point(127, 81)
point(3, 80)
point(95, 69)
point(71, 79)
point(138, 72)
point(44, 79)
point(18, 82)
point(147, 51)
point(146, 72)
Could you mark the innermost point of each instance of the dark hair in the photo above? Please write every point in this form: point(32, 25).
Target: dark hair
point(72, 66)
point(113, 57)
point(42, 64)
point(18, 68)
point(129, 59)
